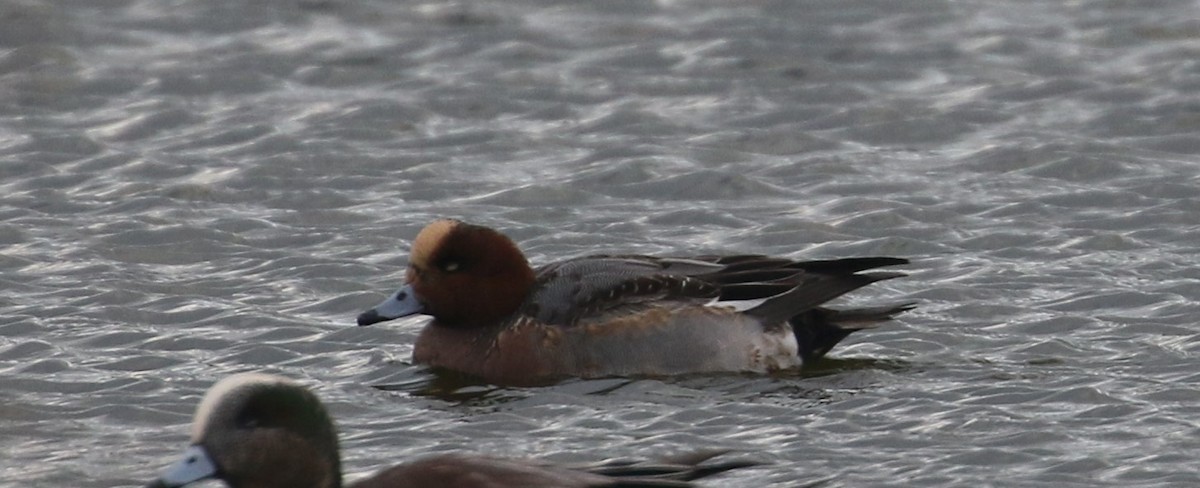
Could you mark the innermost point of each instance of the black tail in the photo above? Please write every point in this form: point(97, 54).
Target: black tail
point(794, 292)
point(819, 329)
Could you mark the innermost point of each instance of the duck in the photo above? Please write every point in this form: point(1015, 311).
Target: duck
point(256, 430)
point(495, 317)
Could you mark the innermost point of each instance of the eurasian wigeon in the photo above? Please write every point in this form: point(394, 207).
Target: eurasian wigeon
point(262, 431)
point(497, 318)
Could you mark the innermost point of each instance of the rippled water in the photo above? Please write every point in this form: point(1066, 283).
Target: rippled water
point(191, 189)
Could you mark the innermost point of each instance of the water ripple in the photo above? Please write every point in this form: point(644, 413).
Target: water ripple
point(215, 187)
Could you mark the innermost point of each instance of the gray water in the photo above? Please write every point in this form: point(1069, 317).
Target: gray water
point(193, 189)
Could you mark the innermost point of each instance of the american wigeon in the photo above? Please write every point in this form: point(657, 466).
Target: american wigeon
point(497, 318)
point(263, 431)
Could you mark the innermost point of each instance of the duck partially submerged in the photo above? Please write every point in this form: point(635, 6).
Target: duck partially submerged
point(263, 431)
point(495, 317)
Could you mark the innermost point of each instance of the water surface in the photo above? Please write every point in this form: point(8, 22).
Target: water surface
point(193, 189)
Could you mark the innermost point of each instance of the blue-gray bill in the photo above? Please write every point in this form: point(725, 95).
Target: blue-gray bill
point(400, 304)
point(193, 466)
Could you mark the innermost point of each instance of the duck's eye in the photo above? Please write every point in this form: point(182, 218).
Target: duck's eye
point(250, 418)
point(450, 266)
point(248, 422)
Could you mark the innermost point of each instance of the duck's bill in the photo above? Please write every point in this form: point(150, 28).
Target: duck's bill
point(400, 304)
point(195, 465)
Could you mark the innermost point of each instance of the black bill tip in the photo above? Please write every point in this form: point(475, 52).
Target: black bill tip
point(369, 317)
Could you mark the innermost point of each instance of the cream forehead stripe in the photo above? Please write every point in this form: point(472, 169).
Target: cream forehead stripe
point(218, 393)
point(429, 239)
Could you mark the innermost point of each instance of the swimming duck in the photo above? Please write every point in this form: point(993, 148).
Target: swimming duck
point(256, 430)
point(495, 317)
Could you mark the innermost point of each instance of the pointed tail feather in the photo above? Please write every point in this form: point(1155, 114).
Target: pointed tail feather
point(847, 265)
point(812, 291)
point(868, 317)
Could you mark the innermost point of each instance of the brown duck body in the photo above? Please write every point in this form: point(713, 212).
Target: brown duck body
point(619, 315)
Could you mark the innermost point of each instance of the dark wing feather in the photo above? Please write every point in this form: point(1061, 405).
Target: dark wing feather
point(847, 265)
point(569, 290)
point(670, 471)
point(578, 287)
point(794, 285)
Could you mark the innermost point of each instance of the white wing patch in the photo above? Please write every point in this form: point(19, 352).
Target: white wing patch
point(737, 305)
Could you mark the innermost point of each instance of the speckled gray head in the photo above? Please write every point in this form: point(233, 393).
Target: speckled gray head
point(255, 429)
